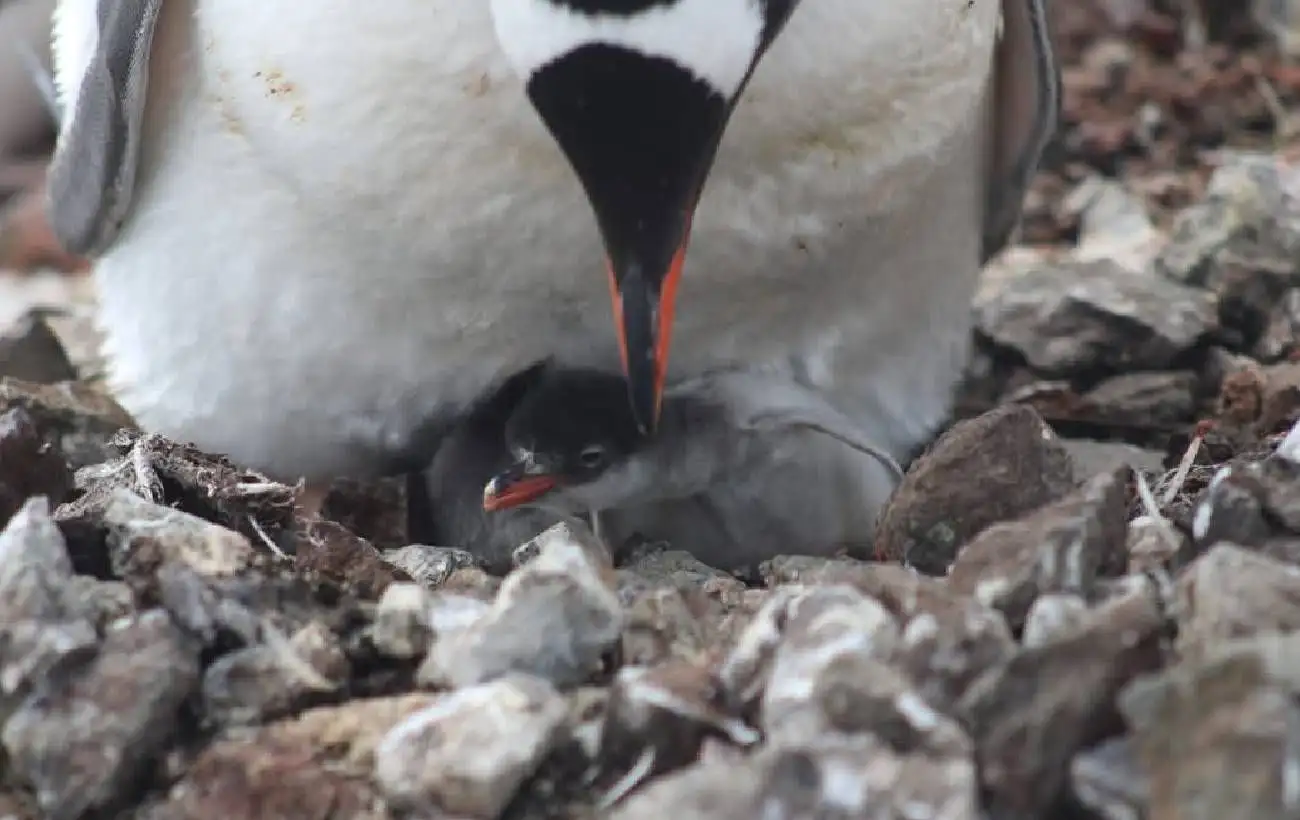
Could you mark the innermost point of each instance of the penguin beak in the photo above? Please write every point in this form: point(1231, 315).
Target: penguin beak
point(643, 319)
point(520, 484)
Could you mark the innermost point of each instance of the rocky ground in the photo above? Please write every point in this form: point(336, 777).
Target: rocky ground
point(1084, 601)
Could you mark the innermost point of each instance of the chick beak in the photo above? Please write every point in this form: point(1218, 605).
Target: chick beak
point(520, 484)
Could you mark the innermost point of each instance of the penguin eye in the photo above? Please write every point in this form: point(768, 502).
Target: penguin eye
point(592, 456)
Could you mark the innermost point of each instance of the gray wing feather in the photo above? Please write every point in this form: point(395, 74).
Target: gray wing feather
point(93, 173)
point(1026, 106)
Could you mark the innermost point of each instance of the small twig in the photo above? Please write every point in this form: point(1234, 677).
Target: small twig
point(1184, 469)
point(266, 539)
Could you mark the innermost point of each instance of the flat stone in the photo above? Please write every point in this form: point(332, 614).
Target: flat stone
point(85, 736)
point(1075, 317)
point(993, 468)
point(1063, 547)
point(431, 566)
point(511, 724)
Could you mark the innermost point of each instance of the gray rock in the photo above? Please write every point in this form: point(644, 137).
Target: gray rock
point(657, 718)
point(1218, 735)
point(1231, 593)
point(993, 468)
point(43, 621)
point(1243, 241)
point(1078, 317)
point(1063, 547)
point(1281, 329)
point(1141, 400)
point(83, 738)
point(556, 617)
point(424, 764)
point(1052, 616)
point(259, 683)
point(81, 420)
point(1109, 780)
point(31, 465)
point(409, 617)
point(1030, 715)
point(659, 625)
point(30, 350)
point(431, 566)
point(1093, 457)
point(837, 777)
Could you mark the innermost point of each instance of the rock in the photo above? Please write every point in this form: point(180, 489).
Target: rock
point(270, 680)
point(654, 566)
point(1281, 329)
point(1063, 547)
point(327, 549)
point(557, 617)
point(660, 626)
point(832, 641)
point(658, 718)
point(1216, 736)
point(43, 621)
point(1109, 780)
point(999, 466)
point(1030, 715)
point(31, 465)
point(82, 739)
point(1113, 224)
point(410, 616)
point(106, 601)
point(1161, 400)
point(1081, 317)
point(431, 566)
point(511, 724)
point(835, 777)
point(1153, 544)
point(1093, 457)
point(31, 351)
point(1242, 241)
point(1232, 593)
point(375, 510)
point(143, 536)
point(78, 418)
point(316, 766)
point(1052, 616)
point(946, 640)
point(176, 475)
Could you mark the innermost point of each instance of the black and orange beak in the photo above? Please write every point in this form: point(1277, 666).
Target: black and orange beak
point(516, 486)
point(643, 320)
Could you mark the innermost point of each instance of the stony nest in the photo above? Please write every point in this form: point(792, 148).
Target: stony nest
point(1083, 603)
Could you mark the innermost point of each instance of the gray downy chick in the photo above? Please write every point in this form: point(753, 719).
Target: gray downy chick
point(745, 465)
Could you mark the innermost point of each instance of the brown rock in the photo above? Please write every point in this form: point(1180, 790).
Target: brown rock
point(90, 731)
point(511, 724)
point(31, 351)
point(29, 465)
point(329, 550)
point(314, 767)
point(999, 466)
point(1232, 593)
point(1030, 715)
point(1061, 548)
point(375, 510)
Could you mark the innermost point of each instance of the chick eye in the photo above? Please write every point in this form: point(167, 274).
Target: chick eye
point(593, 456)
